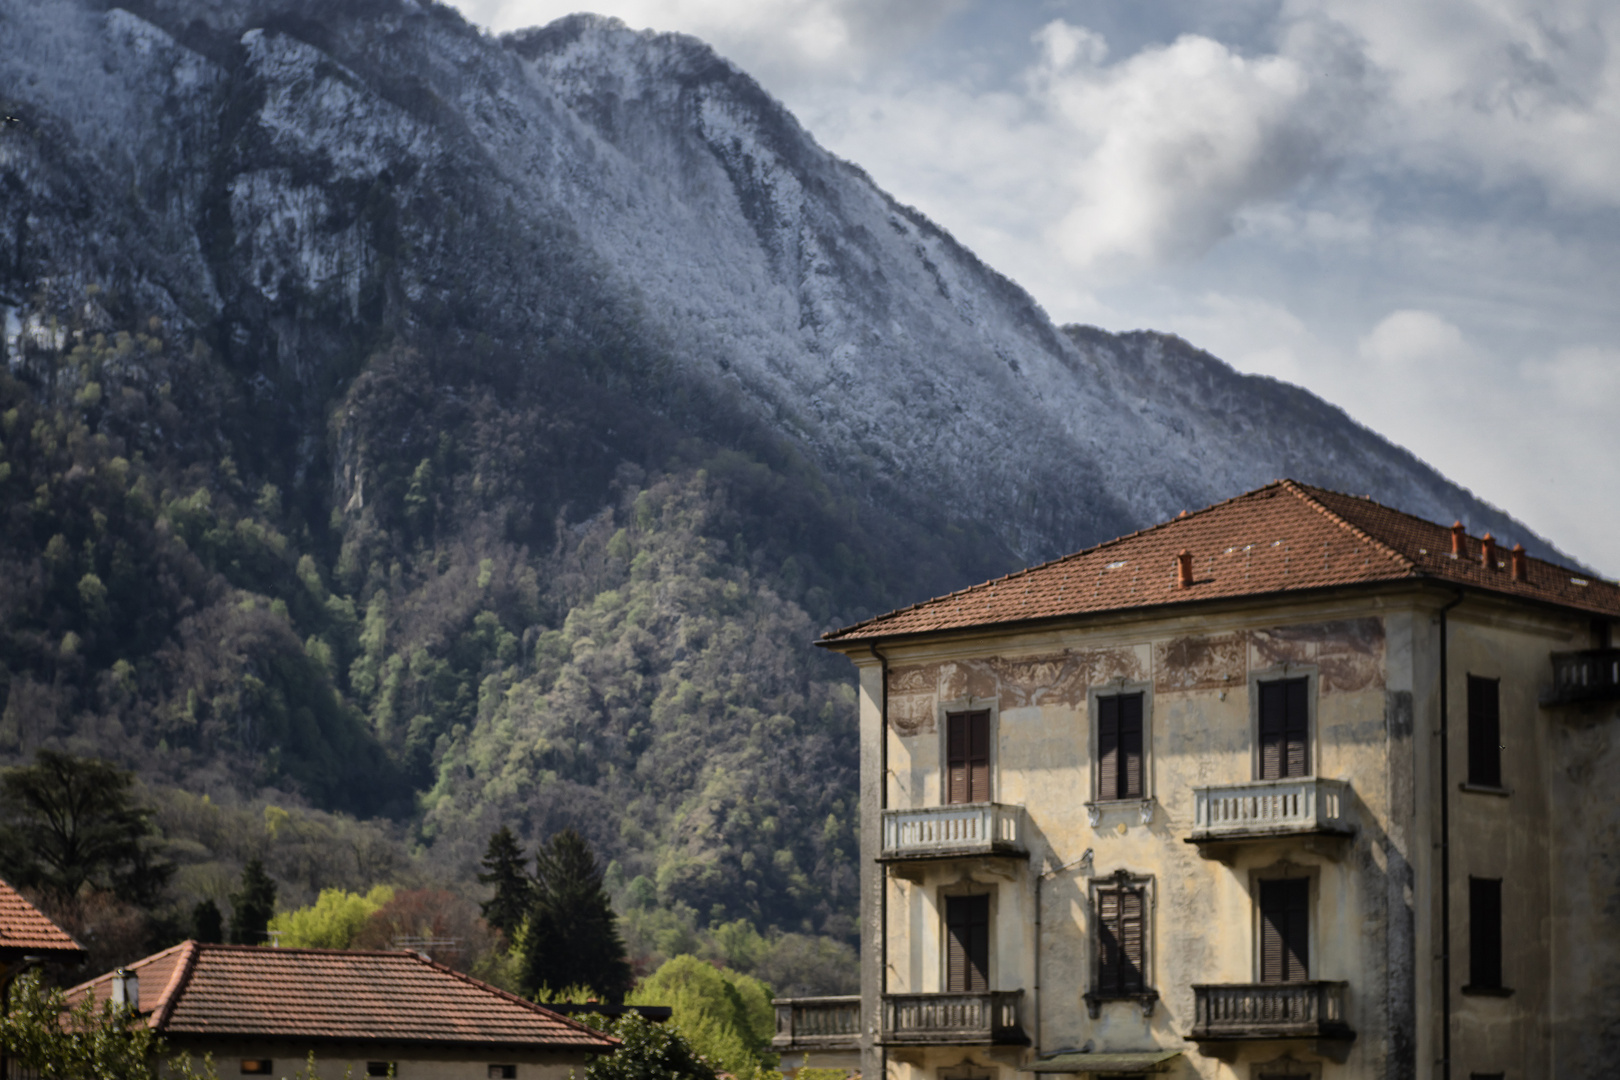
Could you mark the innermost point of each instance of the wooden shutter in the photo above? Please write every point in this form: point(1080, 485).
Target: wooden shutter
point(978, 725)
point(956, 758)
point(1285, 930)
point(1107, 748)
point(1484, 732)
point(1484, 933)
point(1130, 746)
point(1285, 729)
point(1108, 958)
point(1121, 941)
point(967, 944)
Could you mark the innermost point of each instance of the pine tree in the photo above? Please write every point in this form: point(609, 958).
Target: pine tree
point(252, 905)
point(514, 889)
point(207, 923)
point(572, 937)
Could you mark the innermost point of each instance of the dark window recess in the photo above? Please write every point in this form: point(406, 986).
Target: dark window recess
point(967, 757)
point(503, 1072)
point(967, 944)
point(1285, 930)
point(1484, 732)
point(1285, 729)
point(1119, 747)
point(1121, 942)
point(1484, 933)
point(1486, 1076)
point(379, 1068)
point(257, 1066)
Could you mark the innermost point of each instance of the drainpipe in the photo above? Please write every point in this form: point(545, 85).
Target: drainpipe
point(883, 893)
point(1445, 858)
point(1039, 881)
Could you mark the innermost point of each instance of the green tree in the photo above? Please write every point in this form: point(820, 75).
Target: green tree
point(253, 905)
point(207, 923)
point(727, 1017)
point(514, 889)
point(71, 822)
point(572, 937)
point(332, 921)
point(52, 1041)
point(647, 1051)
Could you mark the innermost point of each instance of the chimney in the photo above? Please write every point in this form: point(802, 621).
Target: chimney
point(1184, 569)
point(1521, 564)
point(1459, 540)
point(126, 989)
point(1487, 551)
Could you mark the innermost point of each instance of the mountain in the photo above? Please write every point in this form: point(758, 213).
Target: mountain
point(473, 428)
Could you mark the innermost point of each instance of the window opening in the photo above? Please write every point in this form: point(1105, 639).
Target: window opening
point(380, 1068)
point(1285, 930)
point(257, 1066)
point(967, 757)
point(1119, 747)
point(1121, 941)
point(1484, 933)
point(967, 946)
point(1484, 732)
point(503, 1072)
point(1285, 729)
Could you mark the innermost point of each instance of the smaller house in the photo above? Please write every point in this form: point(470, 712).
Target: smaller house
point(262, 1012)
point(26, 936)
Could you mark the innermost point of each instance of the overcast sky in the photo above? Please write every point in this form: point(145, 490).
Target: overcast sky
point(1410, 207)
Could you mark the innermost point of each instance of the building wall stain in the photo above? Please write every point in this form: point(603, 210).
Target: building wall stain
point(1348, 653)
point(1198, 662)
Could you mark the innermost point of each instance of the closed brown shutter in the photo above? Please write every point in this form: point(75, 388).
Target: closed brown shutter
point(1484, 732)
point(1130, 746)
point(1285, 930)
point(1484, 933)
point(1108, 958)
point(1285, 729)
point(1121, 941)
point(967, 757)
point(1107, 748)
point(967, 944)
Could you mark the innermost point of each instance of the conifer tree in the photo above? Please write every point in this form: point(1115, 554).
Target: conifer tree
point(252, 905)
point(514, 889)
point(572, 937)
point(207, 923)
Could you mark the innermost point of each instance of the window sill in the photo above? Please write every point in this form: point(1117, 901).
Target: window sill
point(1488, 991)
point(1144, 999)
point(1144, 807)
point(1485, 789)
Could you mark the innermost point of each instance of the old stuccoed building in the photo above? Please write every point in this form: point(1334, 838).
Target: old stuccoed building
point(1293, 786)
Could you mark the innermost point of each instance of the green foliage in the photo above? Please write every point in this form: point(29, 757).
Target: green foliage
point(54, 1042)
point(72, 822)
point(253, 905)
point(647, 1051)
point(207, 923)
point(331, 922)
point(727, 1017)
point(514, 888)
point(571, 938)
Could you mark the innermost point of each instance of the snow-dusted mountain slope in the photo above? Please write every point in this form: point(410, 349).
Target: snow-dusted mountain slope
point(293, 175)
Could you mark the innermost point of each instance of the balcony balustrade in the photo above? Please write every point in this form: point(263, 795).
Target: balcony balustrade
point(954, 1019)
point(1591, 675)
point(932, 832)
point(1264, 809)
point(1302, 1010)
point(819, 1023)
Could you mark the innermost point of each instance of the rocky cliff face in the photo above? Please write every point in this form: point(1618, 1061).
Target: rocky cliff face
point(292, 176)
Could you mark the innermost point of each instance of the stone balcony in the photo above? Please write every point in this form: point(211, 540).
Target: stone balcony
point(1251, 1011)
point(1590, 675)
point(1261, 810)
point(956, 831)
point(994, 1017)
point(819, 1023)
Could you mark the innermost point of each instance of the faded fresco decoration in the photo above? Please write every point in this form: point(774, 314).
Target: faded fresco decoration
point(912, 694)
point(1349, 653)
point(1199, 662)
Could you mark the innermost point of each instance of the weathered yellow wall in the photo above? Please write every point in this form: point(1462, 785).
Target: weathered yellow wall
point(412, 1063)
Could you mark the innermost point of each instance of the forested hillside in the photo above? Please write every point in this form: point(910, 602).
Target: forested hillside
point(450, 431)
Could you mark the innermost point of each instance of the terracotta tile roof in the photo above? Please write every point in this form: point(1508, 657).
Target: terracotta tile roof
point(245, 991)
point(1284, 537)
point(25, 930)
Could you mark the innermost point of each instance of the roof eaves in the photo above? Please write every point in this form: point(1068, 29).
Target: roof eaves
point(178, 980)
point(525, 1002)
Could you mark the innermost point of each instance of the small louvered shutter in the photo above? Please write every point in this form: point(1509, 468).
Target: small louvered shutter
point(1132, 941)
point(1285, 729)
point(978, 725)
point(967, 944)
point(1285, 930)
point(1130, 746)
point(1107, 748)
point(1484, 732)
point(956, 766)
point(1108, 958)
point(1298, 727)
point(1484, 933)
point(1273, 714)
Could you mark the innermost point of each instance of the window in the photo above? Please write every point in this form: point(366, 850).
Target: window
point(1119, 747)
point(967, 944)
point(1484, 732)
point(503, 1072)
point(380, 1068)
point(1285, 729)
point(1285, 930)
point(257, 1067)
point(1484, 934)
point(1121, 941)
point(967, 757)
